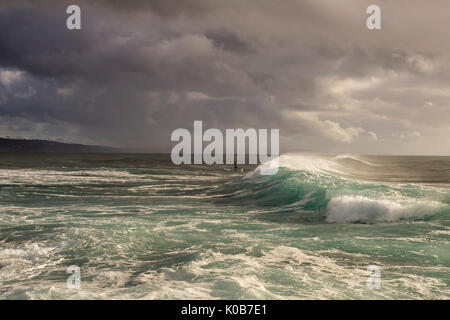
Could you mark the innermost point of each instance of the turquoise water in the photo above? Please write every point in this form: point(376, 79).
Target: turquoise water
point(139, 227)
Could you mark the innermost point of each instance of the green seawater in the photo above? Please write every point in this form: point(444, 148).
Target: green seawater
point(139, 227)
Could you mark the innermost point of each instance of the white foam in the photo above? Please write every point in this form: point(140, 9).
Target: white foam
point(362, 209)
point(26, 261)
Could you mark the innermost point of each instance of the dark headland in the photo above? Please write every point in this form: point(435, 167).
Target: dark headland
point(25, 145)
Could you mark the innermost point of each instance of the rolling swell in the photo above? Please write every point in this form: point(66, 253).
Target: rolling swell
point(326, 188)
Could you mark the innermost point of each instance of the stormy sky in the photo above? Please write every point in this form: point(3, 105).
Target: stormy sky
point(140, 69)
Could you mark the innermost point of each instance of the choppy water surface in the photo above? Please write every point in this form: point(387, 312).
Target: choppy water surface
point(139, 227)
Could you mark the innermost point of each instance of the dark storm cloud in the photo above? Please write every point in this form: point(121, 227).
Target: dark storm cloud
point(139, 69)
point(31, 40)
point(229, 42)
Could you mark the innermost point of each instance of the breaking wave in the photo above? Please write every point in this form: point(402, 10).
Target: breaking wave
point(363, 209)
point(327, 186)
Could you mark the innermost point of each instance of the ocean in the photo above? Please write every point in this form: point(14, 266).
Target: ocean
point(139, 227)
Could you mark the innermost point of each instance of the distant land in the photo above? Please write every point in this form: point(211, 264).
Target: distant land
point(25, 145)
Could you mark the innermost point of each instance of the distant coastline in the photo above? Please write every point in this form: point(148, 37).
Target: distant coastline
point(25, 145)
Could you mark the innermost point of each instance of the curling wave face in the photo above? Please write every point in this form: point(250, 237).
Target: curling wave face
point(332, 187)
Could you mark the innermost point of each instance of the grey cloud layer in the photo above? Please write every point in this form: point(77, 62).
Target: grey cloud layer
point(139, 69)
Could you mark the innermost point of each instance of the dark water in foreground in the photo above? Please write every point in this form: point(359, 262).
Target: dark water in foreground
point(139, 227)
